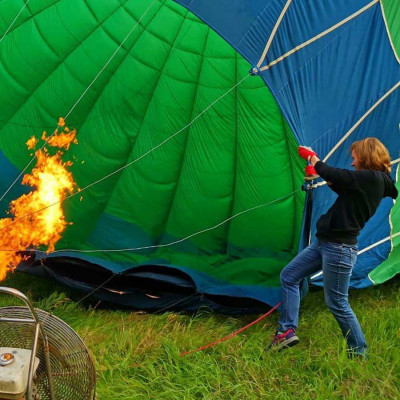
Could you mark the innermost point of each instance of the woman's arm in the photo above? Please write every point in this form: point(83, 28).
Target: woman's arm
point(342, 178)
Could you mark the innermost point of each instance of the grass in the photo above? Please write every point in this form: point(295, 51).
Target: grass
point(137, 355)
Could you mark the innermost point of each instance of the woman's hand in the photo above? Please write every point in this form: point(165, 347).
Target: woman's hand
point(314, 159)
point(306, 152)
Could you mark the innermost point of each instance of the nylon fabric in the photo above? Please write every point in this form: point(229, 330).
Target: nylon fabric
point(390, 267)
point(254, 22)
point(241, 153)
point(325, 88)
point(392, 14)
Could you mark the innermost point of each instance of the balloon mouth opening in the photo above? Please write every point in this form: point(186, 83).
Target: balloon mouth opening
point(152, 287)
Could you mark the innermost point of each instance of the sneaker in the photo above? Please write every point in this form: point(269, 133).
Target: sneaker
point(284, 340)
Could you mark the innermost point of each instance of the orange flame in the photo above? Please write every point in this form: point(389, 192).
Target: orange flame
point(52, 183)
point(63, 139)
point(32, 142)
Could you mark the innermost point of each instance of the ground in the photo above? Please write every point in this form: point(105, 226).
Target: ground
point(137, 355)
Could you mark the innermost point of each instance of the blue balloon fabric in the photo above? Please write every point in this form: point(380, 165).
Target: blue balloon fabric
point(324, 88)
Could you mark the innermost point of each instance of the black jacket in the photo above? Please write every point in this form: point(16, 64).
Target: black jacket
point(360, 193)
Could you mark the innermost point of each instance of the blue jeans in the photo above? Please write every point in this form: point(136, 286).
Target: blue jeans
point(337, 261)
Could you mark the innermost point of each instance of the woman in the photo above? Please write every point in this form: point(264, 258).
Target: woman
point(359, 194)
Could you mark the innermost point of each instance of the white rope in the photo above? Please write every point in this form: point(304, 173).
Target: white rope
point(79, 99)
point(316, 275)
point(352, 129)
point(364, 250)
point(378, 243)
point(272, 35)
point(319, 36)
point(358, 123)
point(132, 162)
point(390, 221)
point(323, 183)
point(388, 33)
point(170, 243)
point(108, 62)
point(160, 144)
point(390, 214)
point(19, 176)
point(12, 23)
point(319, 184)
point(395, 161)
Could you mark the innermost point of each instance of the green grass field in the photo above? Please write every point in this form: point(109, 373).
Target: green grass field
point(137, 354)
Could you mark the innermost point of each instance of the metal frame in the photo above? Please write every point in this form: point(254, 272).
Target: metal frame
point(38, 330)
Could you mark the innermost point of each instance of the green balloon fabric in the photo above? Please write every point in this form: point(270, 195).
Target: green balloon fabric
point(391, 11)
point(391, 267)
point(179, 158)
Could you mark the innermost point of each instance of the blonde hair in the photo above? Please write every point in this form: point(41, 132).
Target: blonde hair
point(372, 154)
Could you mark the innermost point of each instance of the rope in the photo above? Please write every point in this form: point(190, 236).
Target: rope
point(319, 36)
point(323, 183)
point(112, 277)
point(160, 144)
point(165, 244)
point(129, 164)
point(108, 62)
point(378, 243)
point(388, 32)
point(395, 161)
point(373, 245)
point(13, 22)
point(364, 250)
point(169, 138)
point(271, 37)
point(174, 304)
point(26, 167)
point(198, 116)
point(185, 353)
point(79, 99)
point(358, 123)
point(97, 288)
